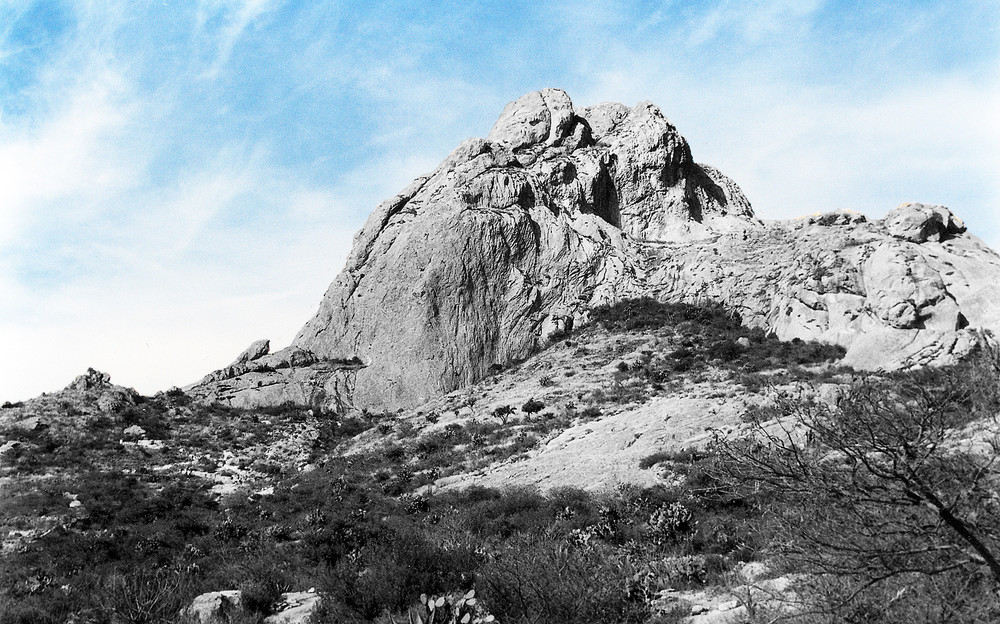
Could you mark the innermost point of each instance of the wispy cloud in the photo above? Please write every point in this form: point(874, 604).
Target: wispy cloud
point(754, 22)
point(222, 23)
point(71, 156)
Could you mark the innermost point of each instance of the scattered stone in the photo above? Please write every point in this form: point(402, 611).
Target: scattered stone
point(753, 571)
point(115, 399)
point(213, 606)
point(134, 432)
point(10, 446)
point(295, 608)
point(729, 606)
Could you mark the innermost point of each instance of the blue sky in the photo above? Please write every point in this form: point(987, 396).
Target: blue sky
point(178, 179)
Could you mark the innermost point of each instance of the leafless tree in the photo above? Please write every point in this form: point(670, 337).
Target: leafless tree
point(898, 478)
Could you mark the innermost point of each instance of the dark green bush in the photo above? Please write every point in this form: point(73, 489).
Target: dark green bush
point(532, 406)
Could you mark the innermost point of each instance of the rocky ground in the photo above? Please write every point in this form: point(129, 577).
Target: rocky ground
point(597, 408)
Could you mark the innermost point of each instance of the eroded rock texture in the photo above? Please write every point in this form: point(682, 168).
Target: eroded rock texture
point(517, 235)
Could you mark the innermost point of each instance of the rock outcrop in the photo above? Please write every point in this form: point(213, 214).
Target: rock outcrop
point(95, 385)
point(516, 236)
point(224, 606)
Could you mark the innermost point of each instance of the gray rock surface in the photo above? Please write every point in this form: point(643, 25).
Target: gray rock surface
point(223, 606)
point(213, 606)
point(516, 236)
point(90, 380)
point(97, 385)
point(255, 351)
point(295, 608)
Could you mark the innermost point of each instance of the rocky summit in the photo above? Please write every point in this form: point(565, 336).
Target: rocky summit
point(559, 209)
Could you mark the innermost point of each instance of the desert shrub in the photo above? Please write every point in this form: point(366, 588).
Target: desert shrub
point(590, 412)
point(646, 313)
point(669, 522)
point(388, 575)
point(40, 609)
point(669, 573)
point(287, 412)
point(872, 490)
point(522, 442)
point(431, 443)
point(262, 592)
point(151, 416)
point(503, 513)
point(532, 406)
point(726, 350)
point(503, 413)
point(394, 453)
point(653, 459)
point(145, 596)
point(912, 598)
point(532, 579)
point(573, 503)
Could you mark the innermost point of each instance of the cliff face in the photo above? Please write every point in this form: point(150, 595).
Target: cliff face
point(517, 235)
point(509, 239)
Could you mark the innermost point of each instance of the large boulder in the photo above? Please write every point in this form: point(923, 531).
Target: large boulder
point(919, 223)
point(213, 607)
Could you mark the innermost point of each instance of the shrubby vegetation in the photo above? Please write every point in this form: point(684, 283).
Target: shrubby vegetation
point(710, 335)
point(885, 499)
point(874, 499)
point(357, 527)
point(568, 556)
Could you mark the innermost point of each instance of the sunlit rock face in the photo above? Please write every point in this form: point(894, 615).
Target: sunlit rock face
point(510, 238)
point(559, 209)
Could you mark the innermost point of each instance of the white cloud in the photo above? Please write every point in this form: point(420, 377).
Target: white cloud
point(236, 16)
point(234, 249)
point(73, 156)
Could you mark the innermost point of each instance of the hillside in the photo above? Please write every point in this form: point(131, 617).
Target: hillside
point(593, 444)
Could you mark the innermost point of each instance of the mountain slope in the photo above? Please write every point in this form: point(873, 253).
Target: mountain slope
point(519, 235)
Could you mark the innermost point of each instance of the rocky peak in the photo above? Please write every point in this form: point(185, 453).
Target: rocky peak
point(540, 118)
point(93, 389)
point(516, 236)
point(920, 223)
point(92, 379)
